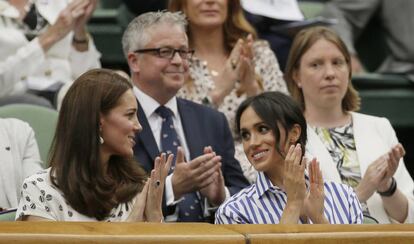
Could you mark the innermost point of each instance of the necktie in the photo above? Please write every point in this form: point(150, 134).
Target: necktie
point(189, 209)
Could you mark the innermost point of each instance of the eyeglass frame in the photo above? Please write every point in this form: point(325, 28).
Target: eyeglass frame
point(189, 52)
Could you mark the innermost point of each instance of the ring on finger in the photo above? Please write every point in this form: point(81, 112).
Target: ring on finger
point(233, 64)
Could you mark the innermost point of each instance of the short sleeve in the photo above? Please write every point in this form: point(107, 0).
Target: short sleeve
point(35, 200)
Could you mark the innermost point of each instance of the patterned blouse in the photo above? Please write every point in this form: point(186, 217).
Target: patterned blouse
point(266, 66)
point(341, 146)
point(39, 197)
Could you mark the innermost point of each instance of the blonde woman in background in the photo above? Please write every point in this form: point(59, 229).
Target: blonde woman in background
point(229, 63)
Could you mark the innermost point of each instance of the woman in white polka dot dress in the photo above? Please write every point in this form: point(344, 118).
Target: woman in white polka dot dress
point(229, 63)
point(93, 176)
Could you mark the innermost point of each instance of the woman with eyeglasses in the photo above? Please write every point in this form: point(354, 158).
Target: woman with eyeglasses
point(229, 64)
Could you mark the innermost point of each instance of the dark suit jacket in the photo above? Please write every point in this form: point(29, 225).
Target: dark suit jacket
point(202, 126)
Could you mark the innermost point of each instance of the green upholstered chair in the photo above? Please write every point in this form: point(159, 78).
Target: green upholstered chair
point(7, 216)
point(41, 119)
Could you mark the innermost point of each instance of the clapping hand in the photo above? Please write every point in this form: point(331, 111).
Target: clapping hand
point(215, 192)
point(147, 203)
point(379, 173)
point(393, 159)
point(72, 18)
point(314, 201)
point(194, 175)
point(294, 185)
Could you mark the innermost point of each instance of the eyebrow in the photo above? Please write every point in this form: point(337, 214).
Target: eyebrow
point(254, 125)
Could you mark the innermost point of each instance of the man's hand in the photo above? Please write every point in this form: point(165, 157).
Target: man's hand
point(216, 191)
point(194, 175)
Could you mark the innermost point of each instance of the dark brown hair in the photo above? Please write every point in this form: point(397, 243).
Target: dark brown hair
point(301, 44)
point(236, 26)
point(76, 168)
point(276, 108)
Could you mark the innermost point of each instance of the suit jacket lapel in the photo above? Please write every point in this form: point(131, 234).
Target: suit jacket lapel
point(316, 148)
point(191, 128)
point(364, 139)
point(145, 136)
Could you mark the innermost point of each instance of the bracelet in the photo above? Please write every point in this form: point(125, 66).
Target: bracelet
point(390, 190)
point(80, 41)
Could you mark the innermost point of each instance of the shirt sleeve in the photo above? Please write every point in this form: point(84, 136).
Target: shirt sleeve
point(226, 214)
point(34, 200)
point(83, 61)
point(16, 67)
point(355, 209)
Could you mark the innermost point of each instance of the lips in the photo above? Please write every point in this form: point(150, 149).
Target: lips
point(210, 11)
point(330, 87)
point(257, 155)
point(132, 140)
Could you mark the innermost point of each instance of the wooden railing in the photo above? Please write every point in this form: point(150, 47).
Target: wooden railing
point(200, 233)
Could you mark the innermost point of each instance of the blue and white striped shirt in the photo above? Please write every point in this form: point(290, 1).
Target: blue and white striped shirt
point(263, 203)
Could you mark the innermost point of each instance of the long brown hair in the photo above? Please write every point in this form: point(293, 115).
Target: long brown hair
point(236, 25)
point(301, 44)
point(76, 168)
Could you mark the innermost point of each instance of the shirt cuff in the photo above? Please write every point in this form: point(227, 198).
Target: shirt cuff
point(169, 193)
point(208, 207)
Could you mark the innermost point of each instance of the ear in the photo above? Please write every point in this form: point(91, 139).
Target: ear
point(101, 121)
point(133, 62)
point(296, 79)
point(294, 134)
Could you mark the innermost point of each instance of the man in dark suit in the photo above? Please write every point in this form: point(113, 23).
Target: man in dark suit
point(205, 172)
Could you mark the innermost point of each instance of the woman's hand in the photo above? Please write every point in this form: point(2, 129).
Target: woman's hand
point(230, 75)
point(153, 208)
point(138, 208)
point(247, 75)
point(82, 20)
point(64, 24)
point(394, 157)
point(294, 184)
point(372, 178)
point(315, 199)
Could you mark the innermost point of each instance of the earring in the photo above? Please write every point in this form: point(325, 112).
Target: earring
point(101, 140)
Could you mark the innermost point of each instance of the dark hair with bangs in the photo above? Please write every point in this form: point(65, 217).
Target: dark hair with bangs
point(276, 109)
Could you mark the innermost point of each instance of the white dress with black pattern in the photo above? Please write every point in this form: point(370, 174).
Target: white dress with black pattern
point(39, 197)
point(266, 66)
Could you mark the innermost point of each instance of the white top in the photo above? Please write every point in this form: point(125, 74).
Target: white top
point(19, 158)
point(42, 199)
point(23, 61)
point(374, 136)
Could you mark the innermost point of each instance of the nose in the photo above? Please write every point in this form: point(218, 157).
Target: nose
point(137, 126)
point(176, 58)
point(329, 71)
point(254, 140)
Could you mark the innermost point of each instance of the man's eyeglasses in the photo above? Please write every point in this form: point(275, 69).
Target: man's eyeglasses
point(167, 52)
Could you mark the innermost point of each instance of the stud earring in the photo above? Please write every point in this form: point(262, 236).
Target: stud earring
point(101, 140)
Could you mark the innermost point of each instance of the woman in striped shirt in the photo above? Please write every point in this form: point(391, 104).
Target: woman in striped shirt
point(273, 131)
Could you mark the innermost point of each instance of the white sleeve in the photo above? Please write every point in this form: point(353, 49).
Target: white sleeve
point(18, 66)
point(83, 61)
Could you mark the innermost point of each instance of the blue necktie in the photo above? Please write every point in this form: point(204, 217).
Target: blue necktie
point(189, 209)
